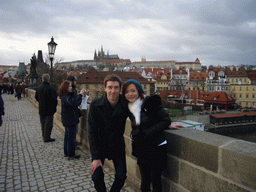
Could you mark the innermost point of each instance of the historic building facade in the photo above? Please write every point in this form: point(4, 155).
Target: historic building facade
point(217, 80)
point(195, 66)
point(242, 86)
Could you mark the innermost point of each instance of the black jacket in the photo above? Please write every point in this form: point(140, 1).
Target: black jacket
point(69, 109)
point(106, 128)
point(154, 120)
point(47, 98)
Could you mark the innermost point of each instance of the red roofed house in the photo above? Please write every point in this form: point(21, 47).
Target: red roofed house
point(179, 96)
point(197, 81)
point(179, 79)
point(93, 81)
point(217, 80)
point(220, 100)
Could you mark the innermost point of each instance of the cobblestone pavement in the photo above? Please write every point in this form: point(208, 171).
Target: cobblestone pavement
point(29, 164)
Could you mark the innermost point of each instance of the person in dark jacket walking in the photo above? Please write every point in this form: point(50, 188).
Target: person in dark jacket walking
point(18, 90)
point(149, 120)
point(47, 99)
point(2, 113)
point(69, 116)
point(107, 118)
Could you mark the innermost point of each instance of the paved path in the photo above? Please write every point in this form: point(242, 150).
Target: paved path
point(29, 164)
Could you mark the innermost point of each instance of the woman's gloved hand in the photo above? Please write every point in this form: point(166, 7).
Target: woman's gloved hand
point(135, 132)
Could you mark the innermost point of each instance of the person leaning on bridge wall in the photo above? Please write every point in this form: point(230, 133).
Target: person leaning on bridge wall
point(107, 118)
point(149, 145)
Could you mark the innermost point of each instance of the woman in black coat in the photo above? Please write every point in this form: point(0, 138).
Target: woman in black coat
point(149, 145)
point(69, 116)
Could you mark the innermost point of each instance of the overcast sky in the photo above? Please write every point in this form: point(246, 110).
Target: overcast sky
point(218, 32)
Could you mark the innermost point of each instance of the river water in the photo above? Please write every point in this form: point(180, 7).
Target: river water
point(245, 136)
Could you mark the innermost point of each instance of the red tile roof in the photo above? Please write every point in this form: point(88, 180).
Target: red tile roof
point(156, 71)
point(252, 76)
point(97, 77)
point(177, 94)
point(219, 97)
point(228, 115)
point(197, 76)
point(216, 97)
point(178, 71)
point(216, 69)
point(234, 73)
point(75, 73)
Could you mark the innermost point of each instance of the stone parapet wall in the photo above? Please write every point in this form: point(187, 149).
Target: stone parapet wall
point(197, 160)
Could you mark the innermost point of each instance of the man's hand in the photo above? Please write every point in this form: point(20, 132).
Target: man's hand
point(95, 164)
point(176, 126)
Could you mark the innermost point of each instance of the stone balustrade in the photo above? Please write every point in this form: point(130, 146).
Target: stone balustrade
point(197, 160)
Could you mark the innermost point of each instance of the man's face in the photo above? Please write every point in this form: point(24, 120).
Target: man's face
point(113, 90)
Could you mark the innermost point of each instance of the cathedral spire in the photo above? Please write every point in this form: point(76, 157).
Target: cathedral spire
point(95, 56)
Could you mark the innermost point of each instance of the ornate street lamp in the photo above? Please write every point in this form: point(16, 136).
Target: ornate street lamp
point(51, 48)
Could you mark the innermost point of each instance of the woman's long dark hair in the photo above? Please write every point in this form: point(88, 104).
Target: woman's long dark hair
point(124, 90)
point(63, 90)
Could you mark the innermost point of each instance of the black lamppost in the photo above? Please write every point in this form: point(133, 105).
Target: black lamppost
point(51, 47)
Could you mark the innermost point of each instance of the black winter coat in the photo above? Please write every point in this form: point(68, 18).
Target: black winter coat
point(154, 120)
point(106, 128)
point(47, 98)
point(69, 109)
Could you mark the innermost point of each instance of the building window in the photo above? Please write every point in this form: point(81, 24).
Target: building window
point(145, 86)
point(87, 87)
point(232, 80)
point(234, 88)
point(245, 80)
point(253, 88)
point(96, 86)
point(253, 95)
point(240, 95)
point(240, 88)
point(247, 96)
point(247, 88)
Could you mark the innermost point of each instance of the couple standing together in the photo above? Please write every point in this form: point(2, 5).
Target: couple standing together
point(107, 118)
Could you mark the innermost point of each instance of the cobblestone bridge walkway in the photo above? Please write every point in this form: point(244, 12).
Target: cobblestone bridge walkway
point(29, 164)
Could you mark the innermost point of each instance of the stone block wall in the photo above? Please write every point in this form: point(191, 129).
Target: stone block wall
point(197, 160)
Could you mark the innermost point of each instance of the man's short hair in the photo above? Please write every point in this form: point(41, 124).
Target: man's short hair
point(113, 77)
point(45, 77)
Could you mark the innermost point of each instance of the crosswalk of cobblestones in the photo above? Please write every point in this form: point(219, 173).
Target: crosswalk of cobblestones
point(29, 164)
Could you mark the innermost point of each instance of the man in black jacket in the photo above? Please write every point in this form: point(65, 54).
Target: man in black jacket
point(47, 98)
point(107, 118)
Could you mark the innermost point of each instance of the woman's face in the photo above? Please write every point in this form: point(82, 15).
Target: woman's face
point(131, 93)
point(70, 88)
